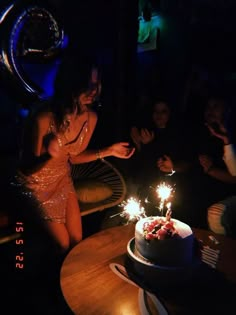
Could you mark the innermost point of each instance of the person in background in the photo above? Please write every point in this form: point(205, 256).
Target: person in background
point(211, 178)
point(56, 136)
point(145, 24)
point(222, 132)
point(161, 152)
point(221, 215)
point(210, 150)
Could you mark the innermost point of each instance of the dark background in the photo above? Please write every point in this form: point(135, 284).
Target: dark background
point(193, 33)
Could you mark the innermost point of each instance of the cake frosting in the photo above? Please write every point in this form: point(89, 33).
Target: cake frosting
point(162, 241)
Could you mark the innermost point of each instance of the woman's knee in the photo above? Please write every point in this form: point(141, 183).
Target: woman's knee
point(59, 235)
point(75, 239)
point(62, 246)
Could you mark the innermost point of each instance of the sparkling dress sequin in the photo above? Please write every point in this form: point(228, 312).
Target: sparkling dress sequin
point(51, 185)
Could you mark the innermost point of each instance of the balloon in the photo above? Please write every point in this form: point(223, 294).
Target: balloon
point(32, 40)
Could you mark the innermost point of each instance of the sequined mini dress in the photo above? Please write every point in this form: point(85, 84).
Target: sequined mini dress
point(51, 185)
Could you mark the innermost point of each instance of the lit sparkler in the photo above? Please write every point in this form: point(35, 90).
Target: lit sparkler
point(133, 210)
point(164, 193)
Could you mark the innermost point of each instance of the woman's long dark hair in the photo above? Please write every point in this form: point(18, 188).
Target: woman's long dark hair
point(72, 79)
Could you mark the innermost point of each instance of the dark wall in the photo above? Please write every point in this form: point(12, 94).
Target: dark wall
point(195, 33)
point(108, 29)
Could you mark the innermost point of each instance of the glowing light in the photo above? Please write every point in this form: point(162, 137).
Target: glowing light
point(168, 205)
point(132, 209)
point(164, 193)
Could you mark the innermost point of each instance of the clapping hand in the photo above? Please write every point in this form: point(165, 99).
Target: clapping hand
point(219, 130)
point(53, 146)
point(206, 162)
point(146, 136)
point(135, 136)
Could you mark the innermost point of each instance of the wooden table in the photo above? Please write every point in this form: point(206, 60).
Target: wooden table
point(90, 287)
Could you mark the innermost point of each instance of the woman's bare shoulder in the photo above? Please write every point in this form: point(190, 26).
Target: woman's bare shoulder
point(93, 116)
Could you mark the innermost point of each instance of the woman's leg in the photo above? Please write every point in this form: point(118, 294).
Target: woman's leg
point(73, 220)
point(59, 234)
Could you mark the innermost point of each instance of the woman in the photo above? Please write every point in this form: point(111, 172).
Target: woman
point(57, 137)
point(222, 132)
point(162, 142)
point(161, 152)
point(221, 215)
point(210, 177)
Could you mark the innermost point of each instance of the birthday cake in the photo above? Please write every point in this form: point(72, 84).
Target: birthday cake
point(163, 241)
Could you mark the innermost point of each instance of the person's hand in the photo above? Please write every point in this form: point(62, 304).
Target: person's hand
point(165, 164)
point(54, 147)
point(219, 131)
point(206, 162)
point(135, 136)
point(122, 150)
point(146, 136)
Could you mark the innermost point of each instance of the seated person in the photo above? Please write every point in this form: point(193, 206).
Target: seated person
point(161, 152)
point(223, 133)
point(211, 179)
point(221, 215)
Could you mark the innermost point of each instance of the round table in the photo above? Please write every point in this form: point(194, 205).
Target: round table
point(90, 285)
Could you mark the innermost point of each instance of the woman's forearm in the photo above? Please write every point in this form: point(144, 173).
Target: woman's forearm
point(120, 150)
point(90, 155)
point(230, 158)
point(221, 175)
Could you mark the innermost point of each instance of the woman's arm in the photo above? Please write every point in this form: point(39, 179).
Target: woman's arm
point(215, 172)
point(36, 155)
point(120, 150)
point(229, 158)
point(222, 175)
point(166, 165)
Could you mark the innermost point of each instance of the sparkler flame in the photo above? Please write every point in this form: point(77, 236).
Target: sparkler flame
point(164, 193)
point(132, 209)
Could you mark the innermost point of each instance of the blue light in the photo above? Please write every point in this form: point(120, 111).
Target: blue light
point(65, 41)
point(23, 112)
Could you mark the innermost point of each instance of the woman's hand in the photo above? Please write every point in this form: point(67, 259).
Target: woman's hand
point(135, 136)
point(206, 162)
point(54, 146)
point(220, 132)
point(165, 164)
point(146, 136)
point(121, 150)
